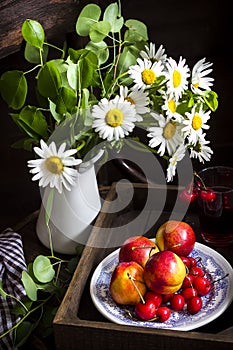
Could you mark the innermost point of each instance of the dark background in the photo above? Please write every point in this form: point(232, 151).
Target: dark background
point(191, 29)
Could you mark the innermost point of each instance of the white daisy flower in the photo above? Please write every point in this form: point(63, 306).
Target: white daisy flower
point(177, 76)
point(138, 98)
point(200, 150)
point(145, 73)
point(151, 55)
point(54, 167)
point(170, 106)
point(176, 157)
point(113, 119)
point(199, 80)
point(166, 135)
point(195, 123)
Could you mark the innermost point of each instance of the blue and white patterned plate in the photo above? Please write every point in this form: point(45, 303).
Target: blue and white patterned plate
point(214, 304)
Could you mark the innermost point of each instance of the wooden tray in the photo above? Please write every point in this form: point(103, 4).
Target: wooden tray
point(79, 325)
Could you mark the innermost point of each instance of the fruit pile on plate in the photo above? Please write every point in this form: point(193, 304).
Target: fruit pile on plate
point(159, 277)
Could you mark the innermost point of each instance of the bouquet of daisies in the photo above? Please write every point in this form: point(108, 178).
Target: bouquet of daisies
point(115, 84)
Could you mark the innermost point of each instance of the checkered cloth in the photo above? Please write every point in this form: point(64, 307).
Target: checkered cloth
point(12, 262)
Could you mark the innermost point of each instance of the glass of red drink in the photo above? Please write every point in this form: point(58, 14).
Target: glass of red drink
point(215, 205)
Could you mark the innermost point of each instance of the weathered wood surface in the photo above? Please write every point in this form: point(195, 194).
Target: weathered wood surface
point(57, 17)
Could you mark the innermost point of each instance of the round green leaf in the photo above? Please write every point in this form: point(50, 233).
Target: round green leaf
point(89, 15)
point(100, 49)
point(111, 15)
point(13, 87)
point(99, 31)
point(33, 33)
point(32, 53)
point(43, 269)
point(137, 31)
point(29, 286)
point(49, 80)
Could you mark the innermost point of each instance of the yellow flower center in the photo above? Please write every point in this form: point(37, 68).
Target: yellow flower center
point(172, 105)
point(176, 78)
point(196, 85)
point(54, 165)
point(169, 130)
point(196, 122)
point(129, 99)
point(148, 76)
point(114, 117)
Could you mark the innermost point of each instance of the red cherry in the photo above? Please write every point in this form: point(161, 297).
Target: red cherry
point(167, 297)
point(189, 293)
point(194, 305)
point(163, 313)
point(156, 298)
point(202, 285)
point(188, 281)
point(145, 311)
point(197, 271)
point(193, 261)
point(185, 260)
point(188, 195)
point(207, 195)
point(177, 302)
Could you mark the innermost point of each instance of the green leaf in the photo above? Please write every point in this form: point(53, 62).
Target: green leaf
point(66, 100)
point(43, 269)
point(211, 100)
point(89, 15)
point(13, 88)
point(33, 33)
point(137, 31)
point(100, 49)
point(110, 15)
point(25, 143)
point(29, 286)
point(73, 73)
point(32, 53)
point(58, 117)
point(99, 31)
point(22, 333)
point(84, 73)
point(49, 80)
point(126, 60)
point(85, 99)
point(19, 309)
point(32, 122)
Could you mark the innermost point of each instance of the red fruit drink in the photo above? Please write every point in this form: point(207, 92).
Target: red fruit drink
point(216, 206)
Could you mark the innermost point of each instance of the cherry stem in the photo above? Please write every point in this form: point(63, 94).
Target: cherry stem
point(198, 176)
point(133, 280)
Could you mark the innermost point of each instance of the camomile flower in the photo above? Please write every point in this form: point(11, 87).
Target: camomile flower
point(195, 123)
point(151, 55)
point(176, 157)
point(166, 135)
point(170, 106)
point(54, 166)
point(145, 73)
point(177, 76)
point(199, 81)
point(200, 150)
point(138, 98)
point(113, 119)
